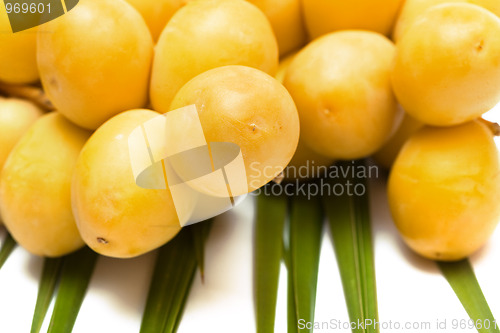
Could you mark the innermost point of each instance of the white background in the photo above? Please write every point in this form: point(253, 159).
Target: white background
point(410, 289)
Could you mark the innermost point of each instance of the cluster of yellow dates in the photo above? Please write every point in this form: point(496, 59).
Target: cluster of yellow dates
point(254, 69)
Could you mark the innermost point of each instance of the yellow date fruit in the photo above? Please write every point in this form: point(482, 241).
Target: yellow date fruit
point(386, 155)
point(207, 34)
point(283, 67)
point(114, 215)
point(324, 16)
point(16, 116)
point(412, 9)
point(35, 183)
point(17, 53)
point(157, 13)
point(286, 19)
point(341, 85)
point(305, 162)
point(96, 61)
point(444, 188)
point(251, 109)
point(442, 77)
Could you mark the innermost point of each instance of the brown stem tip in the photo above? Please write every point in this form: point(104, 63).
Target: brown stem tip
point(494, 127)
point(32, 93)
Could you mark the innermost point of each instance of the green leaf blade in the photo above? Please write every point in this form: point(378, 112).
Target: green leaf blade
point(200, 232)
point(306, 225)
point(8, 246)
point(460, 275)
point(268, 237)
point(292, 319)
point(76, 273)
point(350, 227)
point(48, 281)
point(173, 274)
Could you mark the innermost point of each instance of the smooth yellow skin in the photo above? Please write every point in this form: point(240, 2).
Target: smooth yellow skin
point(251, 109)
point(412, 9)
point(116, 217)
point(17, 53)
point(447, 70)
point(324, 16)
point(305, 160)
point(157, 13)
point(96, 61)
point(444, 189)
point(35, 201)
point(386, 155)
point(340, 84)
point(283, 67)
point(207, 34)
point(286, 19)
point(16, 116)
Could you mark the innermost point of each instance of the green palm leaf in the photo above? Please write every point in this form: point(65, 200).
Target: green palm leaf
point(76, 273)
point(349, 217)
point(48, 281)
point(462, 279)
point(270, 219)
point(200, 234)
point(173, 275)
point(8, 246)
point(305, 231)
